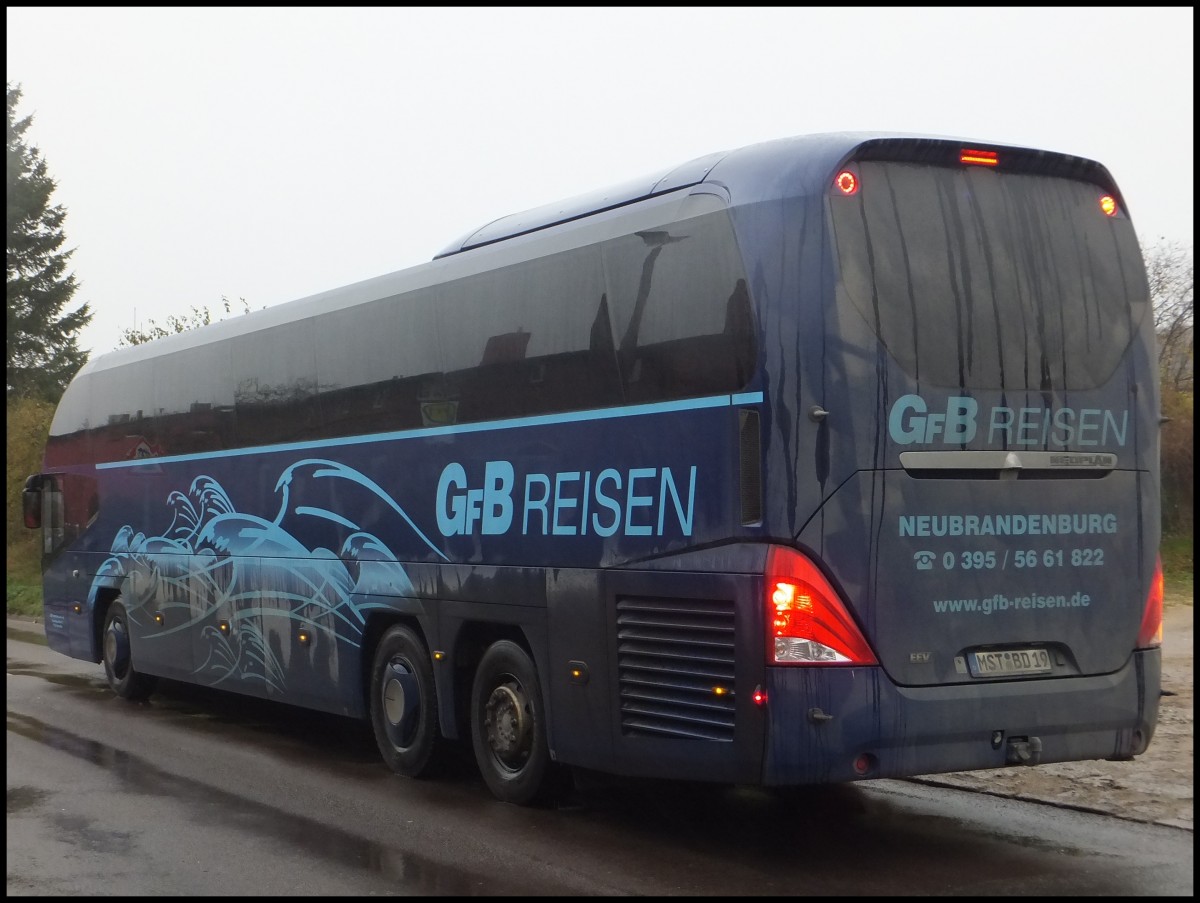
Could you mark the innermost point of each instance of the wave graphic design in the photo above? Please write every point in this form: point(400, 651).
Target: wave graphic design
point(220, 574)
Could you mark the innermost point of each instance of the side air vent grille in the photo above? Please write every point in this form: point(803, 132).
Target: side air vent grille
point(676, 670)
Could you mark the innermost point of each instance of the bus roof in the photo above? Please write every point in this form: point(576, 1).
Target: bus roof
point(768, 170)
point(748, 173)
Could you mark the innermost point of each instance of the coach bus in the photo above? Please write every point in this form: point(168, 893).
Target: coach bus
point(827, 459)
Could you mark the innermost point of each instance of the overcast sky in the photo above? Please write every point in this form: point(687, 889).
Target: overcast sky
point(270, 154)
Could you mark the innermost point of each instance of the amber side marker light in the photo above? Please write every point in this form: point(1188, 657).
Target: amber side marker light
point(978, 157)
point(846, 182)
point(1108, 204)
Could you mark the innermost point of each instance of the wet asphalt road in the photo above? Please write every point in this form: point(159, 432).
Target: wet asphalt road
point(202, 793)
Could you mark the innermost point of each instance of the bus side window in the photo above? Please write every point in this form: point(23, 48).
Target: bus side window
point(680, 310)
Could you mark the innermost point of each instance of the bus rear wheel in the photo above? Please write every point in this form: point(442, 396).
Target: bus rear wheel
point(117, 654)
point(508, 726)
point(404, 704)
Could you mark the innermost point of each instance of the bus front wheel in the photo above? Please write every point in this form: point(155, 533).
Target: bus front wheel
point(117, 654)
point(508, 726)
point(404, 704)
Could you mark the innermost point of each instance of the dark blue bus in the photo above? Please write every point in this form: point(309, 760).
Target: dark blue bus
point(826, 459)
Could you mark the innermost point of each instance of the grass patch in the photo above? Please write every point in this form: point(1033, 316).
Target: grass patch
point(24, 596)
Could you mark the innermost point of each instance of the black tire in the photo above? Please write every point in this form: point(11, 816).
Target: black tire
point(508, 727)
point(117, 655)
point(404, 710)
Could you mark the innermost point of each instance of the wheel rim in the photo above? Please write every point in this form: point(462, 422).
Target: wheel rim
point(509, 725)
point(401, 698)
point(116, 648)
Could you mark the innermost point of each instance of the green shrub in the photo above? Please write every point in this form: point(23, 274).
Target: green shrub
point(1177, 563)
point(1178, 463)
point(28, 423)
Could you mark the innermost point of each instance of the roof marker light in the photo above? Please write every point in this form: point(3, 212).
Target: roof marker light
point(1109, 205)
point(978, 157)
point(846, 182)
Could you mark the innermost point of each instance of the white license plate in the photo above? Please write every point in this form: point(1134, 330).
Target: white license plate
point(1003, 662)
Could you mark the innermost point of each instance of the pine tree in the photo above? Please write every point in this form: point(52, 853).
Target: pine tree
point(43, 351)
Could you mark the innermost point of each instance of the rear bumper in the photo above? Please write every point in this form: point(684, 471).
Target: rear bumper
point(906, 731)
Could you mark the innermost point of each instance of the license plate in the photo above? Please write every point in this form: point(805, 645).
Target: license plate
point(1004, 662)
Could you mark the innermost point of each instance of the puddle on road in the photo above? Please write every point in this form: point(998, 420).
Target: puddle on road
point(345, 742)
point(70, 681)
point(21, 798)
point(209, 805)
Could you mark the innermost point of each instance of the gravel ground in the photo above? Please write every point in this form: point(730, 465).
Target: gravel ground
point(1155, 787)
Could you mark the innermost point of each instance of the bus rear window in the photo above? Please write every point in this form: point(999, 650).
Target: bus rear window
point(988, 279)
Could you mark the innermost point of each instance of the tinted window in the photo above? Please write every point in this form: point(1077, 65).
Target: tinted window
point(123, 404)
point(275, 384)
point(69, 440)
point(655, 316)
point(194, 400)
point(984, 279)
point(378, 365)
point(531, 338)
point(681, 310)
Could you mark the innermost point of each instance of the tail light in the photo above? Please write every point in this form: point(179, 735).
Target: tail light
point(807, 622)
point(1150, 633)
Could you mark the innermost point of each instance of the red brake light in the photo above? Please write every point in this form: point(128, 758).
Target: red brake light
point(846, 182)
point(1150, 633)
point(807, 622)
point(979, 157)
point(1108, 204)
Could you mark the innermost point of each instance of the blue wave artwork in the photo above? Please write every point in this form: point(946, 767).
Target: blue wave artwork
point(224, 574)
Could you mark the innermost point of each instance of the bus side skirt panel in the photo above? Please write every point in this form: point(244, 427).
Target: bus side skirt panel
point(69, 610)
point(659, 681)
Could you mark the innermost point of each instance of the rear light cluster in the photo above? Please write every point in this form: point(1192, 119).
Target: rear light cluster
point(807, 622)
point(1151, 631)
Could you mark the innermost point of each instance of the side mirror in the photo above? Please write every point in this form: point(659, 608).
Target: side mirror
point(31, 501)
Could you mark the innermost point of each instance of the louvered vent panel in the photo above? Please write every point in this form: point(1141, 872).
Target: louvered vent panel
point(675, 659)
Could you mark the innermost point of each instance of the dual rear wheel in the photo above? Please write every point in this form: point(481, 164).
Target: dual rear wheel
point(508, 722)
point(508, 726)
